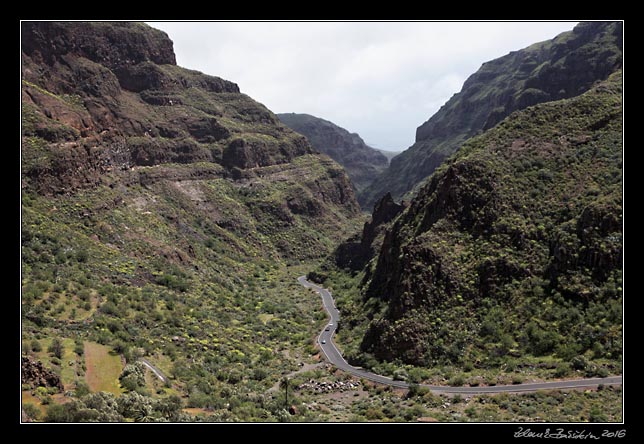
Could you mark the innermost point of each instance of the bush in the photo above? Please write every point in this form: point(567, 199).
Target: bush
point(517, 379)
point(373, 413)
point(593, 370)
point(119, 347)
point(57, 413)
point(596, 415)
point(56, 348)
point(82, 389)
point(35, 346)
point(31, 410)
point(259, 374)
point(400, 375)
point(133, 377)
point(414, 390)
point(456, 380)
point(562, 369)
point(579, 362)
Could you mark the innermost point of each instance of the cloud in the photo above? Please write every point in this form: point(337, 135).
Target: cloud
point(381, 80)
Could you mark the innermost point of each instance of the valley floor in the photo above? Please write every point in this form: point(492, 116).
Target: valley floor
point(318, 392)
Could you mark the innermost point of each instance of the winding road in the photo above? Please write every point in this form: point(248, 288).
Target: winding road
point(333, 355)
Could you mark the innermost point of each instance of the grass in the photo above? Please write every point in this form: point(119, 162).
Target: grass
point(29, 398)
point(67, 372)
point(103, 368)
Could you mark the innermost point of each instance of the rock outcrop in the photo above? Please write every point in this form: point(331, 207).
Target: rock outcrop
point(34, 374)
point(101, 97)
point(354, 253)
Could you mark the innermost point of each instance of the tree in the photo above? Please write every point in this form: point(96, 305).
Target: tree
point(284, 384)
point(79, 347)
point(82, 389)
point(56, 348)
point(170, 407)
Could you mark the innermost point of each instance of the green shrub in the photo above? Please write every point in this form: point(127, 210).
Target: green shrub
point(563, 368)
point(456, 380)
point(517, 379)
point(56, 348)
point(82, 389)
point(579, 362)
point(57, 413)
point(31, 410)
point(35, 346)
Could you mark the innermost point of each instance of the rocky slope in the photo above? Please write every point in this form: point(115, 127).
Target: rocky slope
point(362, 162)
point(157, 202)
point(512, 251)
point(34, 374)
point(563, 67)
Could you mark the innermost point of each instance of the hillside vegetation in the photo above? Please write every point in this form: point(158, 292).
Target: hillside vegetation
point(510, 256)
point(164, 214)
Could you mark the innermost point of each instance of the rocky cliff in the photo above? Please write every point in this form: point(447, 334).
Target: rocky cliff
point(362, 162)
point(513, 249)
point(102, 97)
point(563, 67)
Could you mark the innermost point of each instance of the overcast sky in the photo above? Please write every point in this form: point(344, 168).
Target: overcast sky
point(381, 80)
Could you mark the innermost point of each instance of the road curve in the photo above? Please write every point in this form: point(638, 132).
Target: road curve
point(333, 355)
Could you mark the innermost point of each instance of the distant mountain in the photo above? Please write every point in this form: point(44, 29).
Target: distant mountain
point(389, 154)
point(362, 162)
point(563, 67)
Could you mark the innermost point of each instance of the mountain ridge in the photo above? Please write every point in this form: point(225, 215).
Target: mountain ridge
point(361, 161)
point(554, 69)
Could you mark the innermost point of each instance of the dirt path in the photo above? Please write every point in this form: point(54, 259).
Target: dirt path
point(304, 368)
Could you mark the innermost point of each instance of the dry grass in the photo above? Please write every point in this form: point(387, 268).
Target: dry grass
point(103, 368)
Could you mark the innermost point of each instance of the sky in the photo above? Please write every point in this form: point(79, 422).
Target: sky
point(378, 79)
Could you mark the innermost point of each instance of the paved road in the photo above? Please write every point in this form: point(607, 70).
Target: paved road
point(155, 370)
point(334, 356)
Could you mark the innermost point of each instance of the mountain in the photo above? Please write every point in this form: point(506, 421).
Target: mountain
point(361, 162)
point(389, 154)
point(164, 214)
point(510, 256)
point(563, 67)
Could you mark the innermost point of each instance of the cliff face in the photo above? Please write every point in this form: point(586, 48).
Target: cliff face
point(106, 97)
point(362, 162)
point(563, 67)
point(355, 253)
